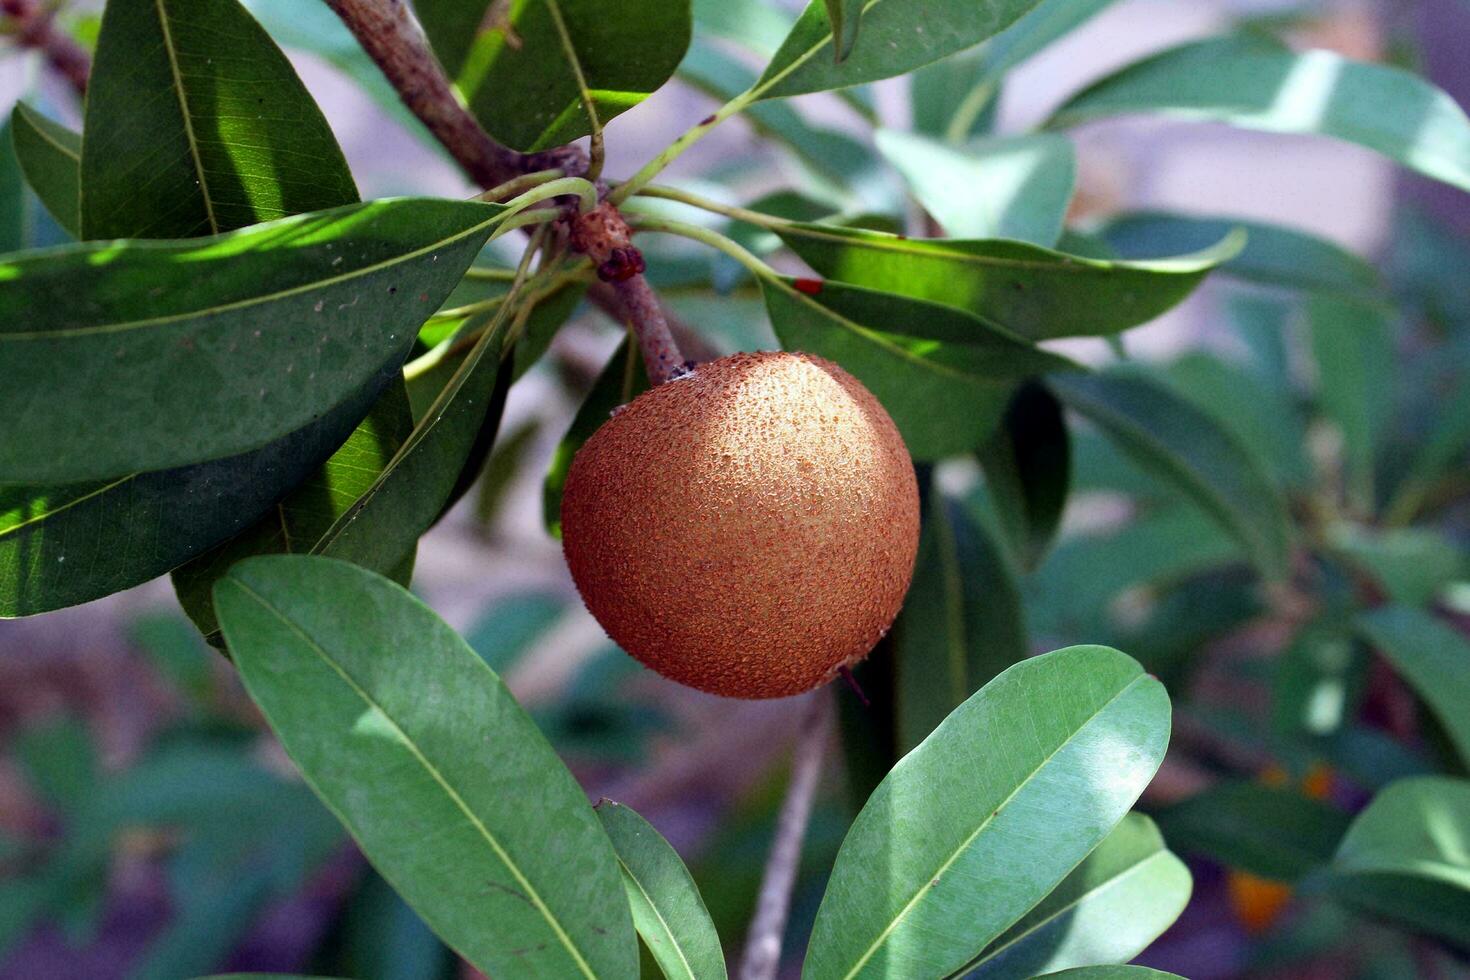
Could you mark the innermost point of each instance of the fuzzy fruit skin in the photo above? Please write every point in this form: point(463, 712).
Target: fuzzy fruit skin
point(748, 529)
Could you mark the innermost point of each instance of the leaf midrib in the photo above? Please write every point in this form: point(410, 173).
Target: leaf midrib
point(4, 531)
point(489, 838)
point(173, 67)
point(74, 155)
point(658, 914)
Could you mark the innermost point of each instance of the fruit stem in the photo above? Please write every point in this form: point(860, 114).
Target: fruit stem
point(763, 942)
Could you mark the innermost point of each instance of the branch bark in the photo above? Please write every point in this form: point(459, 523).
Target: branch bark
point(35, 28)
point(763, 942)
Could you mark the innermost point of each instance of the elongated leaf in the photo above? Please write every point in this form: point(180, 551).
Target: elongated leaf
point(844, 16)
point(1108, 910)
point(1432, 657)
point(1255, 82)
point(897, 38)
point(1407, 857)
point(945, 390)
point(1028, 471)
point(1111, 973)
point(1015, 187)
point(14, 223)
point(513, 65)
point(481, 828)
point(197, 124)
point(667, 910)
point(148, 355)
point(69, 544)
point(1273, 254)
point(1270, 832)
point(1031, 291)
point(1352, 346)
point(1189, 450)
point(961, 624)
point(51, 157)
point(295, 524)
point(1413, 565)
point(948, 854)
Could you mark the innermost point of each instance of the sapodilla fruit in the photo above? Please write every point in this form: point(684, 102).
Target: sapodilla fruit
point(748, 529)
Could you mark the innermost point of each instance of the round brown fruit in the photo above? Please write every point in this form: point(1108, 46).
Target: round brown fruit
point(746, 530)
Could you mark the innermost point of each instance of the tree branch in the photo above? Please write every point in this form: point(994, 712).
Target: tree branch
point(35, 28)
point(763, 942)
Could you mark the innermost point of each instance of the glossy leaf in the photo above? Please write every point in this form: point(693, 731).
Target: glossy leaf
point(1274, 254)
point(961, 624)
point(668, 911)
point(1190, 451)
point(1108, 910)
point(1028, 471)
point(50, 155)
point(896, 40)
point(945, 389)
point(513, 65)
point(1031, 291)
point(1255, 82)
point(295, 524)
point(1352, 347)
point(197, 124)
point(1015, 187)
point(207, 348)
point(481, 828)
point(948, 854)
point(1407, 857)
point(1432, 657)
point(1270, 832)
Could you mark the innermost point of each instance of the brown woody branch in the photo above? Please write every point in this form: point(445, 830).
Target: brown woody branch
point(34, 27)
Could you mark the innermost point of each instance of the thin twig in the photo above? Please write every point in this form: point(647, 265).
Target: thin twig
point(763, 942)
point(34, 26)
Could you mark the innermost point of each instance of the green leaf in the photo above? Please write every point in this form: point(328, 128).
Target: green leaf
point(1031, 291)
point(621, 380)
point(1274, 254)
point(359, 679)
point(14, 223)
point(1439, 451)
point(1406, 857)
point(1185, 448)
point(961, 625)
point(501, 469)
point(1255, 82)
point(60, 760)
point(1028, 471)
point(1352, 346)
point(51, 157)
point(844, 17)
point(948, 854)
point(1413, 565)
point(1111, 973)
point(897, 38)
point(1432, 657)
point(1272, 832)
point(1015, 187)
point(62, 545)
point(946, 389)
point(197, 124)
point(297, 523)
point(668, 911)
point(1117, 901)
point(149, 355)
point(514, 69)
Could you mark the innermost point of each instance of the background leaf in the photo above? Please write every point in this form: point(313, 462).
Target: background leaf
point(1432, 657)
point(1271, 832)
point(947, 854)
point(1028, 472)
point(50, 155)
point(196, 124)
point(845, 17)
point(481, 828)
point(1352, 346)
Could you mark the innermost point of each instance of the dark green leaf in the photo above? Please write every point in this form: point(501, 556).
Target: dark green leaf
point(503, 466)
point(1034, 292)
point(196, 124)
point(1437, 453)
point(1271, 832)
point(384, 939)
point(1015, 187)
point(1273, 254)
point(51, 157)
point(845, 16)
point(1255, 82)
point(1432, 657)
point(1028, 471)
point(948, 854)
point(511, 63)
point(1413, 565)
point(896, 39)
point(358, 678)
point(1317, 681)
point(667, 908)
point(944, 375)
point(1407, 857)
point(60, 761)
point(148, 355)
point(961, 624)
point(1352, 346)
point(1189, 450)
point(1108, 910)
